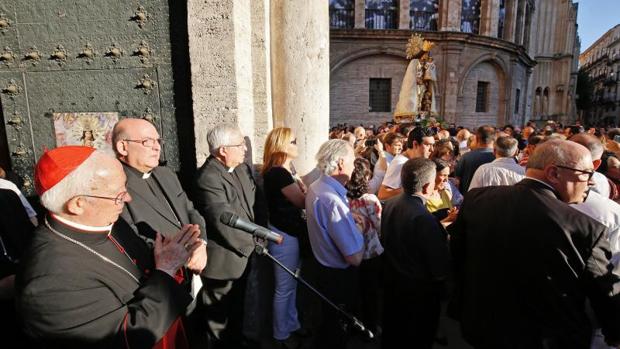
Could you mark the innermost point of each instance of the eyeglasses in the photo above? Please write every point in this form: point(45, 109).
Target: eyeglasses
point(590, 173)
point(119, 199)
point(234, 145)
point(147, 142)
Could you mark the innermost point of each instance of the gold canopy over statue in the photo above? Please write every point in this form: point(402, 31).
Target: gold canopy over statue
point(417, 93)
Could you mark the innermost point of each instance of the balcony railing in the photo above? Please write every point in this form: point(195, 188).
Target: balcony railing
point(341, 18)
point(381, 19)
point(423, 20)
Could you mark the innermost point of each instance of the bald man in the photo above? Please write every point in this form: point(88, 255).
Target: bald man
point(525, 260)
point(159, 203)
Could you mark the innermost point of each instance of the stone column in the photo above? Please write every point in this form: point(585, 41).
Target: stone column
point(520, 25)
point(360, 14)
point(300, 73)
point(450, 15)
point(219, 86)
point(403, 14)
point(489, 17)
point(510, 21)
point(450, 79)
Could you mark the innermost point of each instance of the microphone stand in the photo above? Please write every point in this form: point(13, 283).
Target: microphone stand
point(357, 324)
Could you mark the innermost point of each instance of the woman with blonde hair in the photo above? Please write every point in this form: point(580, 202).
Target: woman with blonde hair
point(286, 200)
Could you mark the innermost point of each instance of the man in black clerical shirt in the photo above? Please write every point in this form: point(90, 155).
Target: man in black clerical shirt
point(159, 203)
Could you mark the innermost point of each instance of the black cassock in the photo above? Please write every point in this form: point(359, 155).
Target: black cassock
point(69, 296)
point(525, 262)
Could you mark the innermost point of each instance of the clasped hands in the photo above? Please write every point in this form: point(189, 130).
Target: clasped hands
point(184, 248)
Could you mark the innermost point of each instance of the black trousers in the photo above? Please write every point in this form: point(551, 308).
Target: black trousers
point(411, 314)
point(341, 287)
point(224, 306)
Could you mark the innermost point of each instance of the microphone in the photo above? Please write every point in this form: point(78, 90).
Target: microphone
point(232, 220)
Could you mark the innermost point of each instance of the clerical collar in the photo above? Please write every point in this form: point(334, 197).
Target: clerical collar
point(137, 172)
point(231, 170)
point(82, 227)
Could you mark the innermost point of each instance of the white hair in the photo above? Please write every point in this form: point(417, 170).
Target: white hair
point(221, 135)
point(329, 153)
point(79, 181)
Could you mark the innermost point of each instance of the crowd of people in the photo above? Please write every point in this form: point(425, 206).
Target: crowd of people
point(514, 228)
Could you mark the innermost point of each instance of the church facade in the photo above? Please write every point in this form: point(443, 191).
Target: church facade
point(497, 61)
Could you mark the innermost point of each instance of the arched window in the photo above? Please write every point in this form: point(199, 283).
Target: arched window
point(381, 14)
point(341, 13)
point(502, 18)
point(470, 16)
point(423, 14)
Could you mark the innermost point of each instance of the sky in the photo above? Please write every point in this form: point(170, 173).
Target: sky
point(595, 18)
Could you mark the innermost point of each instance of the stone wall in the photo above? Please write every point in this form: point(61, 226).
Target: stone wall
point(349, 89)
point(461, 59)
point(485, 72)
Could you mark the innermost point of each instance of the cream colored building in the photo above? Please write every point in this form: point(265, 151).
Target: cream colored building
point(602, 63)
point(498, 61)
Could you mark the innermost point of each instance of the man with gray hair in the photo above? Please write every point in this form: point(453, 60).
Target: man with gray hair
point(336, 242)
point(87, 280)
point(225, 184)
point(525, 260)
point(504, 170)
point(416, 261)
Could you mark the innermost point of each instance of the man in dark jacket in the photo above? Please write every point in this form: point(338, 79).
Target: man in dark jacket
point(525, 261)
point(416, 261)
point(225, 184)
point(159, 205)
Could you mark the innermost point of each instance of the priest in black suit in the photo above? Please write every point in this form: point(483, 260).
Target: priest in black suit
point(159, 203)
point(225, 184)
point(525, 261)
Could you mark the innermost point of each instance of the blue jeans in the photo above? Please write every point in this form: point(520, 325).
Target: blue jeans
point(285, 296)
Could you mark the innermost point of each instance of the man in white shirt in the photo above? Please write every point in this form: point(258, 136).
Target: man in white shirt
point(420, 142)
point(504, 170)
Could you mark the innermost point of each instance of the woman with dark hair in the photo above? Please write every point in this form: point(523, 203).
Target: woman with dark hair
point(440, 201)
point(286, 200)
point(366, 211)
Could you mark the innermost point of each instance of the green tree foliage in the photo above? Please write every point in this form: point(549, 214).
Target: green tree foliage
point(585, 90)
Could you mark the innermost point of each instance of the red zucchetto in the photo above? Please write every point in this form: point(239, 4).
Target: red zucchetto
point(56, 164)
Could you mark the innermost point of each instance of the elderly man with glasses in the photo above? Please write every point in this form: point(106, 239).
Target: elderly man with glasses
point(159, 205)
point(86, 280)
point(525, 261)
point(225, 184)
